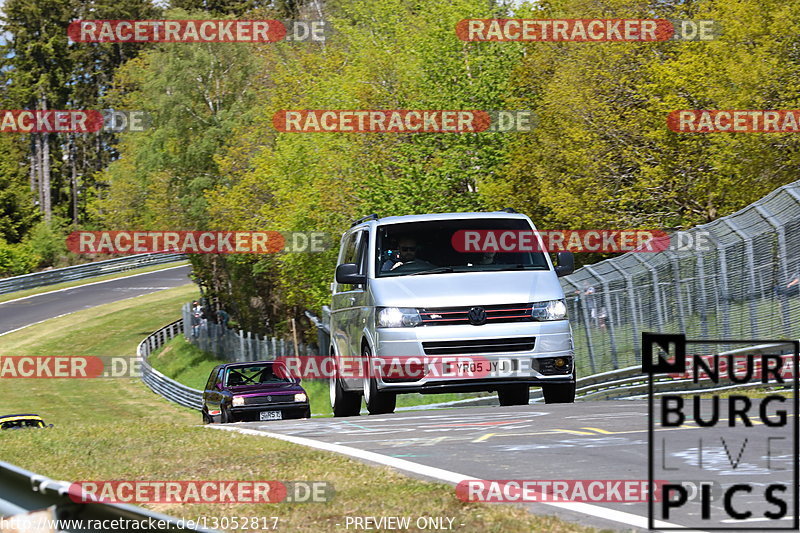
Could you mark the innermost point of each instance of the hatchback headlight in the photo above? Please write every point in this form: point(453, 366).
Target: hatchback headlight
point(238, 401)
point(398, 317)
point(300, 397)
point(551, 310)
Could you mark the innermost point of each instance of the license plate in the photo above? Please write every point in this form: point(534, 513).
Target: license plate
point(270, 415)
point(502, 365)
point(471, 367)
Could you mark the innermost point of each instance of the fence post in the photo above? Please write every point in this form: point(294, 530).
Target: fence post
point(751, 293)
point(607, 304)
point(634, 311)
point(676, 275)
point(656, 291)
point(701, 297)
point(783, 275)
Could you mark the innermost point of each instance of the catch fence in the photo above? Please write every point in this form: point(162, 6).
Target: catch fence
point(235, 345)
point(740, 279)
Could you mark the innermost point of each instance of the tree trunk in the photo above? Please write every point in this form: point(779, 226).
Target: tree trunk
point(37, 155)
point(33, 163)
point(47, 207)
point(73, 149)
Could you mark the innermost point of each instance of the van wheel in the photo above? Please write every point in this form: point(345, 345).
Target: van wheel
point(514, 395)
point(559, 393)
point(378, 403)
point(343, 403)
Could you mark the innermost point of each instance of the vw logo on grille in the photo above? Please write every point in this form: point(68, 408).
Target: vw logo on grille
point(477, 316)
point(269, 398)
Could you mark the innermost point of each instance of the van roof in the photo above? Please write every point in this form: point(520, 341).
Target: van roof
point(439, 216)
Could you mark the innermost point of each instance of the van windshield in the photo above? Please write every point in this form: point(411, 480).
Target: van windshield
point(419, 248)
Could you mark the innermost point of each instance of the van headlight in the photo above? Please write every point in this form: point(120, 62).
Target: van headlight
point(238, 401)
point(300, 397)
point(551, 310)
point(398, 317)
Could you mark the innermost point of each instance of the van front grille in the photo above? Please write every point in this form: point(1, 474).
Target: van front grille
point(449, 316)
point(473, 346)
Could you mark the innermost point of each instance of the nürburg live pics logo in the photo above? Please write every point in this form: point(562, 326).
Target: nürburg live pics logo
point(705, 424)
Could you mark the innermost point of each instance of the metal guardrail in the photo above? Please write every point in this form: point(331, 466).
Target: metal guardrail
point(627, 382)
point(158, 382)
point(34, 503)
point(88, 270)
point(630, 382)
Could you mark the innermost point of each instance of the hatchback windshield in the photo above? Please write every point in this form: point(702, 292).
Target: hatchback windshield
point(418, 248)
point(252, 375)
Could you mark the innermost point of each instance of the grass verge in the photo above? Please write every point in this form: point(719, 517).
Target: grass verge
point(118, 429)
point(76, 283)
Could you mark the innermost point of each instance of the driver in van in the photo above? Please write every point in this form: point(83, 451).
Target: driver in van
point(407, 253)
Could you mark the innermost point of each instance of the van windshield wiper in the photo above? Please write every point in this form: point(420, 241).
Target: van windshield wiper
point(520, 266)
point(439, 270)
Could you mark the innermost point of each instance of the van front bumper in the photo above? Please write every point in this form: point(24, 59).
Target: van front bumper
point(519, 352)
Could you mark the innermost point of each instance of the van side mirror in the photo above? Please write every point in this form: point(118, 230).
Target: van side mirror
point(566, 264)
point(218, 386)
point(347, 274)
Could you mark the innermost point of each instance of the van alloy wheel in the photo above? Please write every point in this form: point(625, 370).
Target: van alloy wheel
point(378, 403)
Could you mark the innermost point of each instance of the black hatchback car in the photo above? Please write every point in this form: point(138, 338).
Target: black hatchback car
point(237, 392)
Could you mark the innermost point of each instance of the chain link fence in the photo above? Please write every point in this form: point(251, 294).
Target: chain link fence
point(739, 279)
point(236, 345)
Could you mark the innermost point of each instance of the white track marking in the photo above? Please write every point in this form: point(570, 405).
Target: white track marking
point(87, 284)
point(33, 324)
point(447, 476)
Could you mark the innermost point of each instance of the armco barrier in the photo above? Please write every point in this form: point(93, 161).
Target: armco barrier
point(158, 382)
point(627, 382)
point(34, 500)
point(88, 270)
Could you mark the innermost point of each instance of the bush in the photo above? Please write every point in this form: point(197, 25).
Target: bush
point(17, 259)
point(48, 242)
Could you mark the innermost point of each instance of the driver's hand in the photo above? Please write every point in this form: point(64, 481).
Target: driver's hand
point(399, 263)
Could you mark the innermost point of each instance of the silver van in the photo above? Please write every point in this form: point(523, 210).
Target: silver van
point(404, 289)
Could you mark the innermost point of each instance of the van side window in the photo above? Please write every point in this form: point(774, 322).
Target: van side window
point(362, 245)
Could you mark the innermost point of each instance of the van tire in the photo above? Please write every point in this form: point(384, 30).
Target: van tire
point(559, 393)
point(514, 395)
point(343, 403)
point(378, 403)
